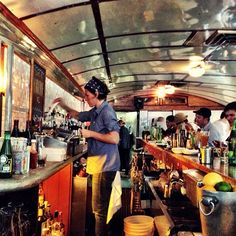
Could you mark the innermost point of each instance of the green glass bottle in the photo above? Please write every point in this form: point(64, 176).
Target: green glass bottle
point(6, 156)
point(232, 145)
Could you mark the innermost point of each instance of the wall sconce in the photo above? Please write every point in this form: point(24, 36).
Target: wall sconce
point(196, 66)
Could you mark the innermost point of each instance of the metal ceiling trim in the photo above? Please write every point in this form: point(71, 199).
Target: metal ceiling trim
point(53, 10)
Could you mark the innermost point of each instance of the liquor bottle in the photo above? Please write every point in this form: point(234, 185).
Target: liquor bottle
point(41, 220)
point(40, 195)
point(232, 145)
point(33, 155)
point(159, 134)
point(62, 226)
point(56, 225)
point(15, 131)
point(6, 159)
point(28, 133)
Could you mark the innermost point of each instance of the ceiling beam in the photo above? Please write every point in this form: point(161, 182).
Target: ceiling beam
point(98, 22)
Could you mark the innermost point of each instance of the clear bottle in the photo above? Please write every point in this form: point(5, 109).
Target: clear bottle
point(232, 145)
point(33, 155)
point(15, 131)
point(6, 160)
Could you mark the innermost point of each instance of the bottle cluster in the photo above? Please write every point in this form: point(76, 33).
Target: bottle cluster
point(21, 151)
point(48, 224)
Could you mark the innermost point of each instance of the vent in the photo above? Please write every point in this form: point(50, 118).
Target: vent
point(222, 37)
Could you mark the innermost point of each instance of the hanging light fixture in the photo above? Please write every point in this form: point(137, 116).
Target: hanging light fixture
point(161, 93)
point(169, 89)
point(196, 66)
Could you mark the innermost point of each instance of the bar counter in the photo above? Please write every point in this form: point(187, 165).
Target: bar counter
point(35, 176)
point(182, 162)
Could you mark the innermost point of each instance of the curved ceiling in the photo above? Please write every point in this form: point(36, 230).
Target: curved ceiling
point(136, 44)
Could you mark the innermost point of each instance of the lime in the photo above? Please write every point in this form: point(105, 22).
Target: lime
point(223, 187)
point(230, 154)
point(212, 178)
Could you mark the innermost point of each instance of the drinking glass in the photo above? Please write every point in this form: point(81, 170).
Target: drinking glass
point(204, 136)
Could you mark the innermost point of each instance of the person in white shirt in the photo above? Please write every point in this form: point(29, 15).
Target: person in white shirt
point(230, 112)
point(223, 127)
point(202, 119)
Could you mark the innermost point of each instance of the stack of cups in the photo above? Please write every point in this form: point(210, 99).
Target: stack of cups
point(139, 225)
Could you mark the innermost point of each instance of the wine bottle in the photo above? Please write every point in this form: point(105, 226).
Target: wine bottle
point(232, 145)
point(6, 159)
point(15, 131)
point(28, 133)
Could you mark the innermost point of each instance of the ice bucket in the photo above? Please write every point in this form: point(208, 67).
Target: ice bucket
point(218, 213)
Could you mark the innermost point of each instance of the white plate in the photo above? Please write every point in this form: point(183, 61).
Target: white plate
point(161, 144)
point(190, 151)
point(177, 150)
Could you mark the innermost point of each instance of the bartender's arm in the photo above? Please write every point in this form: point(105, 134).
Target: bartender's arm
point(111, 137)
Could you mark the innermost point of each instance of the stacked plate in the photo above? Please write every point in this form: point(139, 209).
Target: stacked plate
point(139, 225)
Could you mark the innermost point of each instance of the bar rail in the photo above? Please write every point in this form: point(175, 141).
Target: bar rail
point(183, 162)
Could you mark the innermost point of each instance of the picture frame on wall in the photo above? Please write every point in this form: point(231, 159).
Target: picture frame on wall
point(38, 93)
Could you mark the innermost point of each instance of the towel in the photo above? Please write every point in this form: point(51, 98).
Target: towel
point(115, 198)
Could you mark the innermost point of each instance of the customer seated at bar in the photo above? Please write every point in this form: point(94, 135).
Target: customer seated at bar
point(202, 119)
point(223, 127)
point(230, 112)
point(181, 121)
point(146, 133)
point(171, 126)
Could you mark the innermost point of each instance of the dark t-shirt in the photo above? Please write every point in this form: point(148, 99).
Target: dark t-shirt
point(124, 138)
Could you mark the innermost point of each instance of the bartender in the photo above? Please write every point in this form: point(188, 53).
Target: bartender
point(103, 137)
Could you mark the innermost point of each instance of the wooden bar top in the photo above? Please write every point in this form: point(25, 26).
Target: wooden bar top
point(181, 161)
point(35, 176)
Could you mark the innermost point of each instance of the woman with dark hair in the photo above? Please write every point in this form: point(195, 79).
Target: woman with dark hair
point(103, 137)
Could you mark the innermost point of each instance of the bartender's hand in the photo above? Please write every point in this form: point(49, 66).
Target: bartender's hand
point(71, 112)
point(85, 133)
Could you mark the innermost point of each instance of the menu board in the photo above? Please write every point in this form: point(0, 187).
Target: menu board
point(38, 92)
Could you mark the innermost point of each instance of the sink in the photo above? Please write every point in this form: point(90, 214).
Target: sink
point(180, 210)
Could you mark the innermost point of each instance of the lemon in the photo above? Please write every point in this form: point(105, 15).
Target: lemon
point(212, 179)
point(209, 188)
point(223, 187)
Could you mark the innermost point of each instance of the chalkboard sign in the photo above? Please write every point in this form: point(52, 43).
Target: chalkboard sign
point(38, 92)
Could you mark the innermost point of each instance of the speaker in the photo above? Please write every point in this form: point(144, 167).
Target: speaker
point(138, 103)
